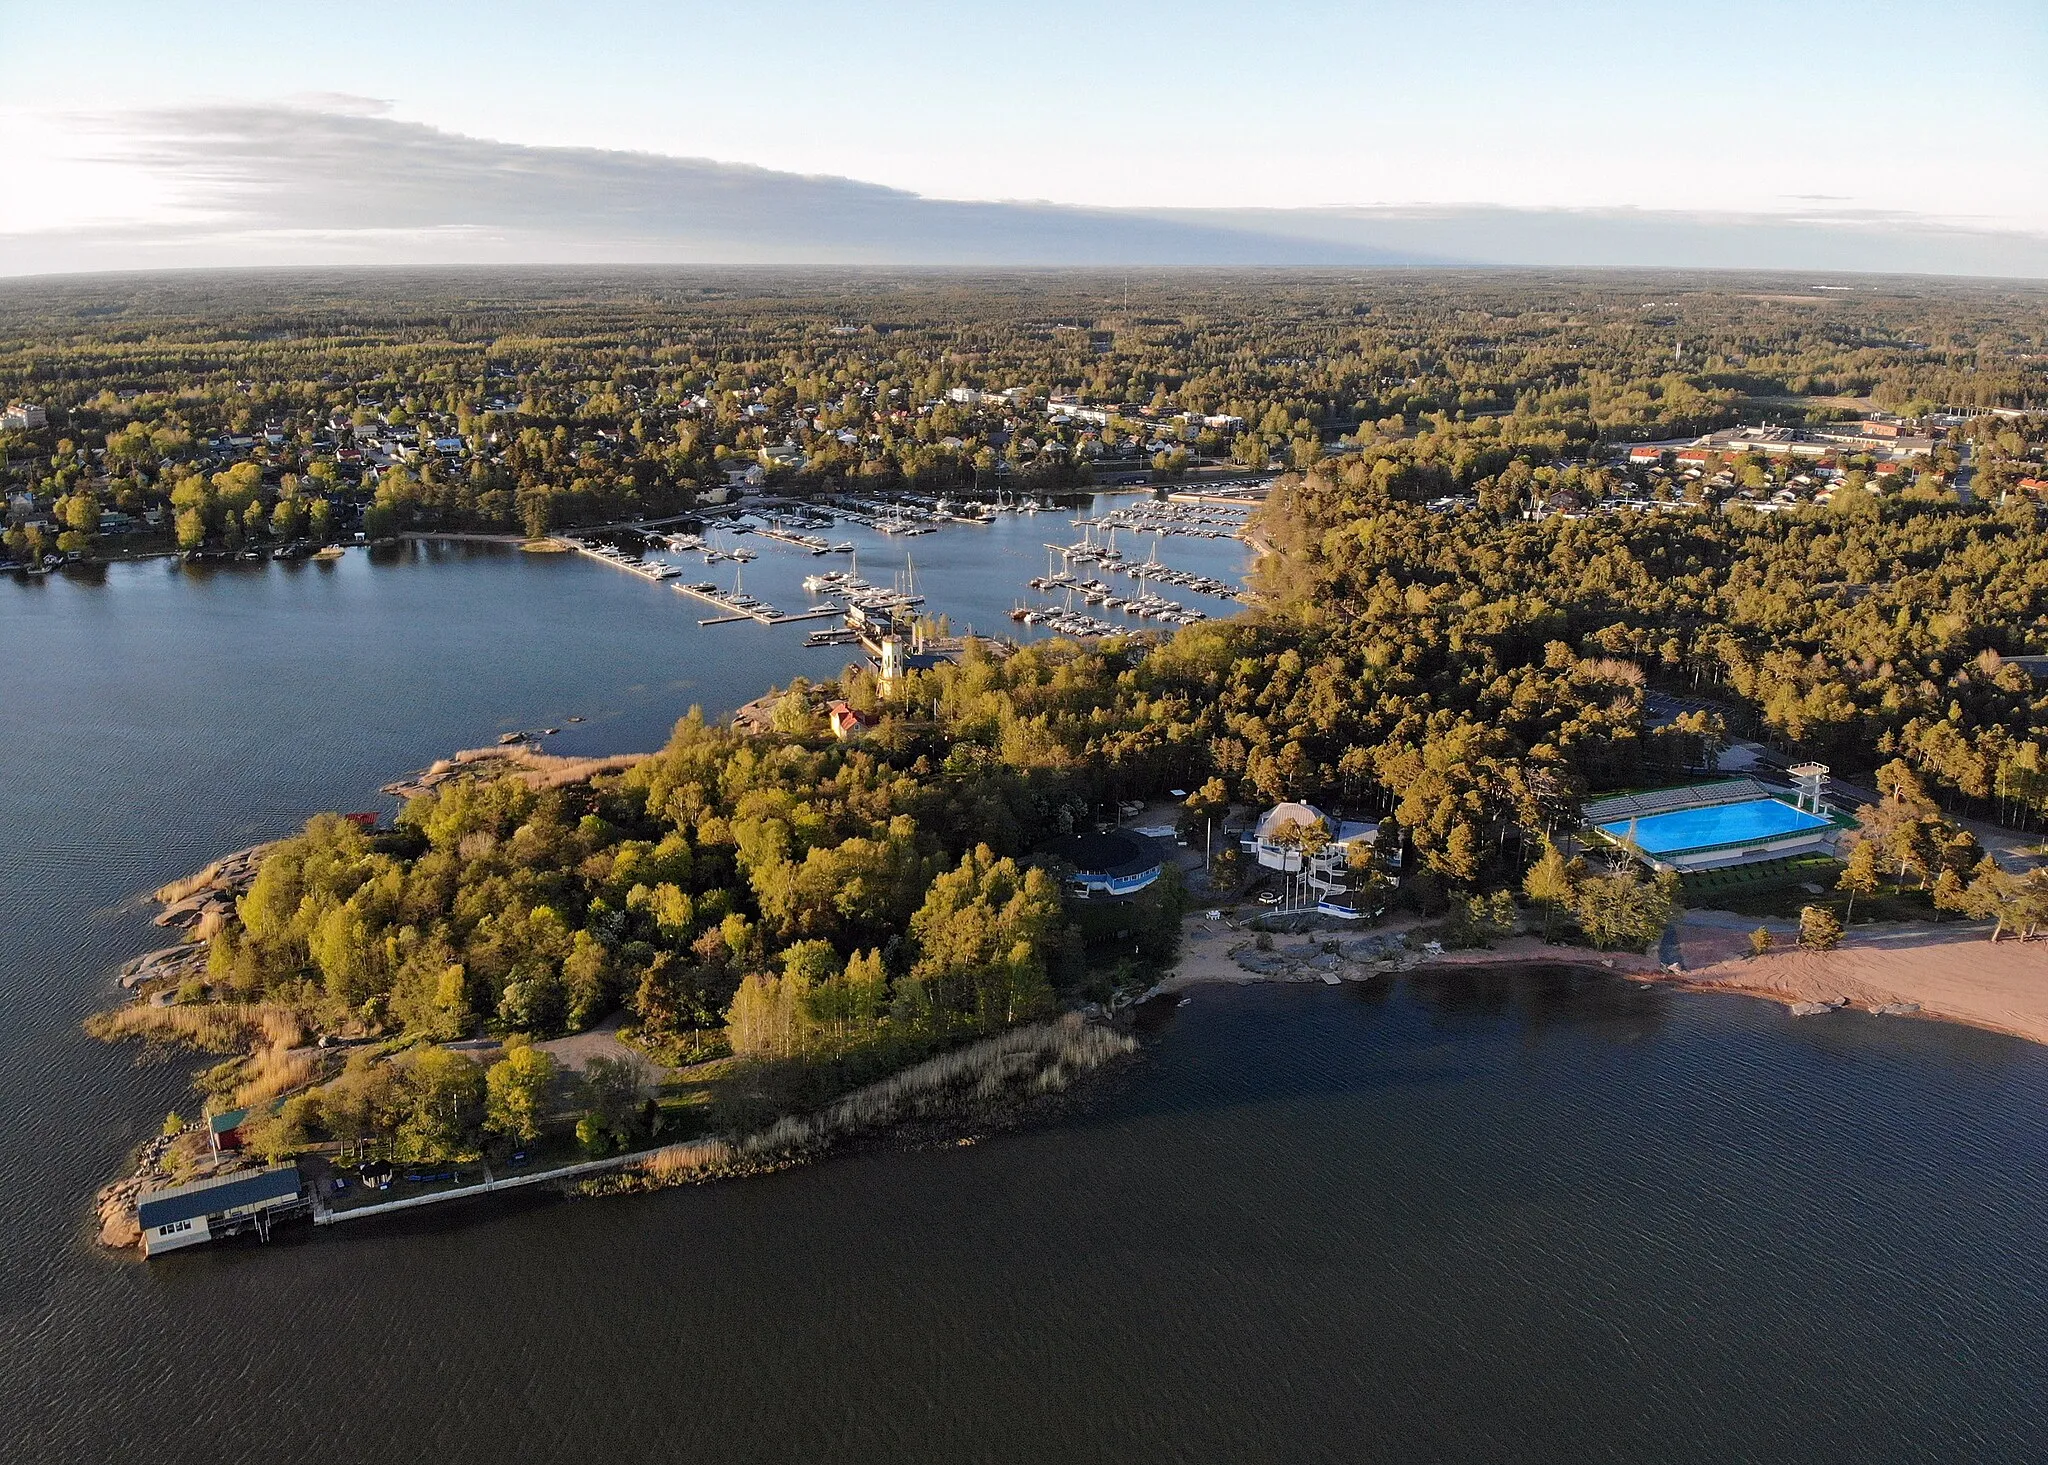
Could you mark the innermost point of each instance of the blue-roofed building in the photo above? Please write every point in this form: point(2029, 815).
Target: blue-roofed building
point(185, 1215)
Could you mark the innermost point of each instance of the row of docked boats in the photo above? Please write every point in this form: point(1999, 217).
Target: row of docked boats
point(1195, 521)
point(1146, 607)
point(626, 559)
point(816, 544)
point(736, 600)
point(1065, 622)
point(1184, 579)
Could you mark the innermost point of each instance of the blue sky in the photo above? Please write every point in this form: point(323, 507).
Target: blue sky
point(1718, 105)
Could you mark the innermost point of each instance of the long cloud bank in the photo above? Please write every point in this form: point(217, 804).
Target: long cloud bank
point(298, 185)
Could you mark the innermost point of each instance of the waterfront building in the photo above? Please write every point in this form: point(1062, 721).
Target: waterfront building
point(185, 1215)
point(1300, 840)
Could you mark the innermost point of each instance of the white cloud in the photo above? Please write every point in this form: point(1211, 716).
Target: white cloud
point(339, 179)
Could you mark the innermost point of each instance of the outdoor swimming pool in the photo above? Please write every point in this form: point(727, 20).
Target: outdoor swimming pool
point(1751, 822)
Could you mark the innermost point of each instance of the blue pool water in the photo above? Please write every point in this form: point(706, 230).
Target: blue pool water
point(1687, 829)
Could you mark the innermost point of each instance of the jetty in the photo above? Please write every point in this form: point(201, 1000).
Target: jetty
point(645, 569)
point(810, 542)
point(739, 606)
point(327, 1214)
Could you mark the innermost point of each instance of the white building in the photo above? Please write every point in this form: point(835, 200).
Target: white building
point(22, 416)
point(185, 1215)
point(1074, 408)
point(1323, 874)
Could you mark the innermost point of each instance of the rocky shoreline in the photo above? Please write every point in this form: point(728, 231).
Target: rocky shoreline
point(115, 1202)
point(198, 903)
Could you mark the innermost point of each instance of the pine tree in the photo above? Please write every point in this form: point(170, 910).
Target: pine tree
point(1859, 875)
point(1818, 929)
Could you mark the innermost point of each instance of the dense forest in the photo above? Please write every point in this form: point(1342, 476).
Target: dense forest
point(819, 886)
point(780, 896)
point(263, 408)
point(1417, 654)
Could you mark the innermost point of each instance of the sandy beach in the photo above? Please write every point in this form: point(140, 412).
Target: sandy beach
point(1954, 972)
point(1950, 972)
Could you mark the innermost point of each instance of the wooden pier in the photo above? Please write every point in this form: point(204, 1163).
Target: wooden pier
point(325, 1214)
point(645, 571)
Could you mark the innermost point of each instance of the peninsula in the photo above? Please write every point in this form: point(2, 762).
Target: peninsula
point(1552, 637)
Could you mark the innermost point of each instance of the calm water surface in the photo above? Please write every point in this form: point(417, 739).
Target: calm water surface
point(1527, 1216)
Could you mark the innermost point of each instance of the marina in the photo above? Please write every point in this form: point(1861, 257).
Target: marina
point(625, 560)
point(1081, 598)
point(739, 606)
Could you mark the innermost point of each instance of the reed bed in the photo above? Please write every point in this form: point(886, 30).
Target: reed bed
point(209, 1027)
point(191, 885)
point(674, 1164)
point(981, 1078)
point(274, 1071)
point(562, 772)
point(1041, 1058)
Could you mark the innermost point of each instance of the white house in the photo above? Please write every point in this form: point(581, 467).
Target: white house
point(1325, 875)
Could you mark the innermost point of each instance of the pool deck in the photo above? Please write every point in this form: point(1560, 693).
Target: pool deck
point(1657, 834)
point(1646, 829)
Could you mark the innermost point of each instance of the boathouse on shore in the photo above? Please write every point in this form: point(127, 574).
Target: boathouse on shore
point(185, 1215)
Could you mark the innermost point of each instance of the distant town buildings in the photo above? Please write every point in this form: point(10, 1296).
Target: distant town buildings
point(1882, 438)
point(23, 417)
point(1077, 410)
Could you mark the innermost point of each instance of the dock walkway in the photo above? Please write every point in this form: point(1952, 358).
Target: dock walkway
point(326, 1215)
